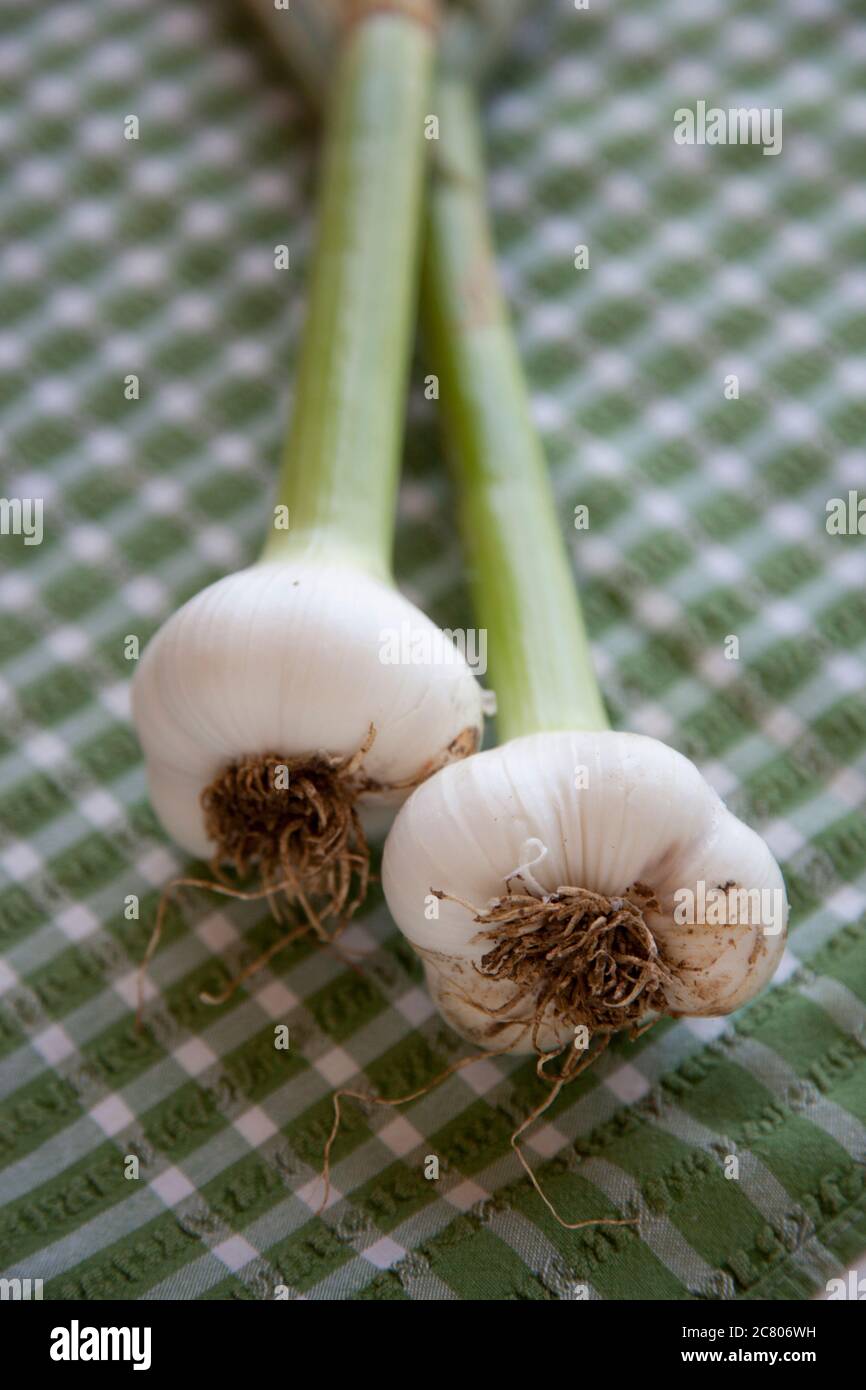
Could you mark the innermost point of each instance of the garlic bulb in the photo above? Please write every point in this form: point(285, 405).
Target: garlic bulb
point(292, 659)
point(618, 815)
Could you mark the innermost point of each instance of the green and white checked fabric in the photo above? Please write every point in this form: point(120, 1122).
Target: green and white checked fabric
point(155, 257)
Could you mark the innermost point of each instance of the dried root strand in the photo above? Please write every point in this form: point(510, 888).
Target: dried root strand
point(576, 956)
point(575, 1063)
point(225, 891)
point(362, 1096)
point(295, 821)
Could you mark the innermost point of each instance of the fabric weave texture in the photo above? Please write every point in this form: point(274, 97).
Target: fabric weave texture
point(708, 516)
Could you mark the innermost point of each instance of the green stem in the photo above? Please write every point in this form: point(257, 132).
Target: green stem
point(539, 659)
point(340, 469)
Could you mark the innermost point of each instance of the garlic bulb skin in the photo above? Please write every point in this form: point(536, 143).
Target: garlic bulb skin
point(600, 811)
point(292, 657)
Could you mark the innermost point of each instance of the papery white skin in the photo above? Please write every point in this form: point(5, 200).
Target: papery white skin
point(285, 657)
point(645, 815)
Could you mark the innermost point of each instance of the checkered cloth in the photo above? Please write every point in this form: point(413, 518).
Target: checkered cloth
point(156, 258)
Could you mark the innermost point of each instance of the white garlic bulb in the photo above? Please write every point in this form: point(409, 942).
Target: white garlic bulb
point(294, 658)
point(617, 815)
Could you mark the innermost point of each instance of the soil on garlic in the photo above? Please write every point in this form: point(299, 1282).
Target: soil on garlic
point(574, 957)
point(295, 821)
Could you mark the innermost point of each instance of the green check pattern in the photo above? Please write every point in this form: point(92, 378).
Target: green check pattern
point(707, 518)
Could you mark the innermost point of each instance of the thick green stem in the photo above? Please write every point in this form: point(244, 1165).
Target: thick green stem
point(539, 658)
point(340, 469)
